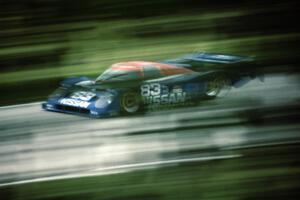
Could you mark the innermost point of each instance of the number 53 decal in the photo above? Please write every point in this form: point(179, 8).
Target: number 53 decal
point(84, 96)
point(152, 89)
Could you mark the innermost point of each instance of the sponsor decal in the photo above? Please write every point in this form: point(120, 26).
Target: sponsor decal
point(94, 112)
point(74, 103)
point(49, 106)
point(172, 98)
point(177, 89)
point(83, 95)
point(157, 94)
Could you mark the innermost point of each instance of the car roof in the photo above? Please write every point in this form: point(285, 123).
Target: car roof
point(165, 69)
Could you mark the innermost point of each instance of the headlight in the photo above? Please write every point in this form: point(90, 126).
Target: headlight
point(104, 100)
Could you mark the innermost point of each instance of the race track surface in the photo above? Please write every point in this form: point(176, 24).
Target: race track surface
point(38, 145)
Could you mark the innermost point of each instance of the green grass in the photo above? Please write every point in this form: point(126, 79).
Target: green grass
point(262, 173)
point(163, 49)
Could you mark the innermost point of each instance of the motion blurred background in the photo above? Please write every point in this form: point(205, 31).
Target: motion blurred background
point(250, 153)
point(44, 41)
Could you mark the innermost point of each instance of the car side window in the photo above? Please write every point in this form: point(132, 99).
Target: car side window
point(119, 75)
point(130, 75)
point(151, 71)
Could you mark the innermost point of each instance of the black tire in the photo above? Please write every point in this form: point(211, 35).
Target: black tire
point(130, 102)
point(216, 85)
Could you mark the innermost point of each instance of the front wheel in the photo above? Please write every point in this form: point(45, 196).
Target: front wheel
point(217, 86)
point(130, 102)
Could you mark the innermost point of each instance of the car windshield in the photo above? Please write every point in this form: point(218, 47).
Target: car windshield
point(132, 71)
point(118, 75)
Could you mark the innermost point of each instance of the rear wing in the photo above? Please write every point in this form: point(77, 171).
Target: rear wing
point(190, 60)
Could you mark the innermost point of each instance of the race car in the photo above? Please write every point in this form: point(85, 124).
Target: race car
point(135, 86)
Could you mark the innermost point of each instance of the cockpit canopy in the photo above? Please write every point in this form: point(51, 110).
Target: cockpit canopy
point(139, 70)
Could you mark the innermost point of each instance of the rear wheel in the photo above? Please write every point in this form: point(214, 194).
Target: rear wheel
point(130, 102)
point(217, 86)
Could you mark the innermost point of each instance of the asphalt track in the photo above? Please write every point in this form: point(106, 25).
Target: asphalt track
point(37, 145)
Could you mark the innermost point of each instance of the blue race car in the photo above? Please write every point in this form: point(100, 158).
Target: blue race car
point(132, 87)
